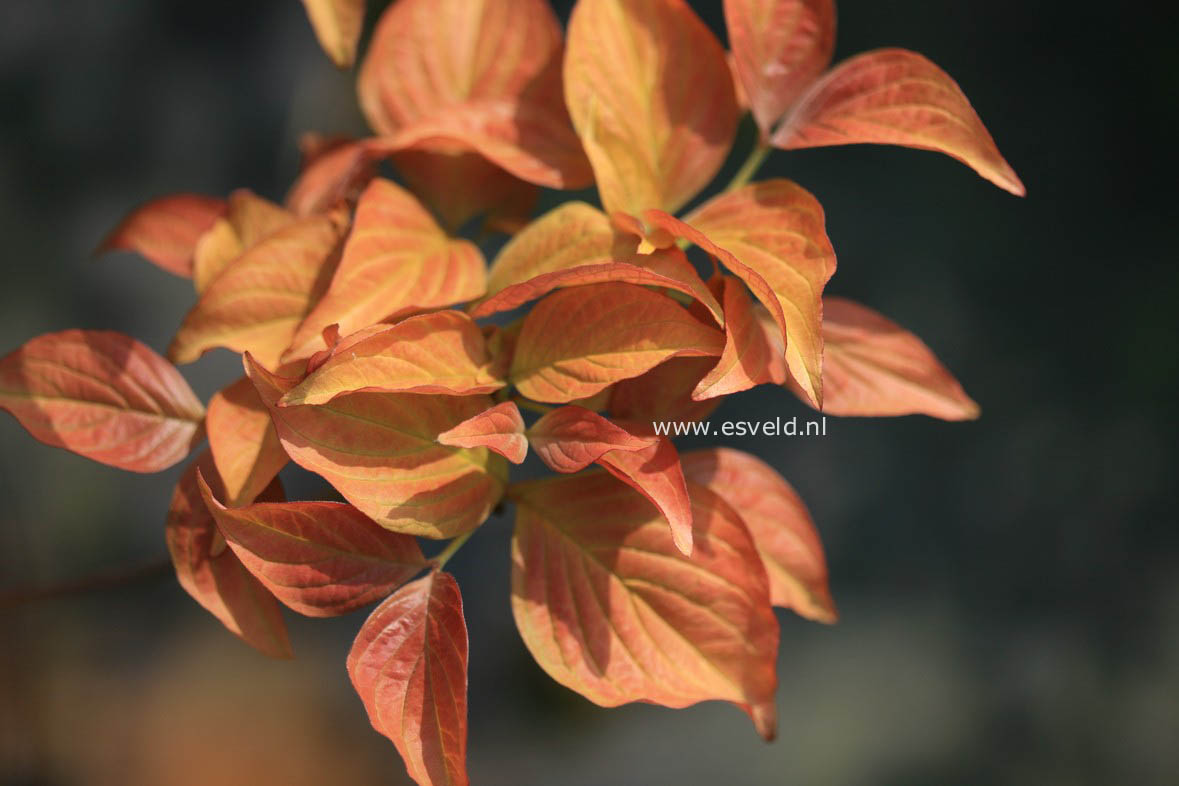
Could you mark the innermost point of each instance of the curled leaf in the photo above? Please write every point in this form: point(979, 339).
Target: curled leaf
point(243, 441)
point(571, 438)
point(750, 357)
point(575, 342)
point(409, 665)
point(895, 97)
point(321, 559)
point(248, 220)
point(779, 522)
point(500, 429)
point(102, 395)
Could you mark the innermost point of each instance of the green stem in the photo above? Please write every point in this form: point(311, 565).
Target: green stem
point(451, 548)
point(532, 406)
point(756, 158)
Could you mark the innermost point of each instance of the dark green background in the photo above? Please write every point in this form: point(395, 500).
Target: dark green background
point(1009, 588)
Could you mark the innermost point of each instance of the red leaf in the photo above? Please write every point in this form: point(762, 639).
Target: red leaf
point(396, 261)
point(409, 665)
point(441, 352)
point(576, 342)
point(104, 396)
point(322, 559)
point(651, 96)
point(874, 367)
point(256, 303)
point(778, 520)
point(750, 357)
point(665, 393)
point(165, 231)
point(380, 451)
point(611, 609)
point(655, 473)
point(571, 438)
point(212, 574)
point(500, 429)
point(337, 25)
point(772, 236)
point(243, 441)
point(895, 97)
point(780, 47)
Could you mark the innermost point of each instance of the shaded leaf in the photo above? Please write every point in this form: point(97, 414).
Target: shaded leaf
point(212, 574)
point(460, 186)
point(256, 303)
point(665, 393)
point(165, 231)
point(780, 47)
point(441, 352)
point(611, 609)
point(333, 175)
point(322, 559)
point(874, 367)
point(655, 473)
point(750, 357)
point(772, 236)
point(895, 97)
point(337, 25)
point(102, 395)
point(409, 665)
point(570, 438)
point(500, 429)
point(651, 96)
point(396, 260)
point(779, 522)
point(576, 342)
point(380, 451)
point(243, 441)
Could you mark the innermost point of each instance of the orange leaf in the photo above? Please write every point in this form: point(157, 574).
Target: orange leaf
point(874, 367)
point(500, 429)
point(212, 574)
point(779, 522)
point(655, 473)
point(441, 352)
point(243, 441)
point(576, 342)
point(780, 47)
point(380, 451)
point(750, 357)
point(321, 559)
point(651, 96)
point(460, 186)
point(772, 236)
point(249, 219)
point(256, 303)
point(474, 75)
point(409, 665)
point(332, 176)
point(895, 97)
point(611, 609)
point(397, 260)
point(337, 25)
point(665, 393)
point(104, 396)
point(165, 231)
point(571, 438)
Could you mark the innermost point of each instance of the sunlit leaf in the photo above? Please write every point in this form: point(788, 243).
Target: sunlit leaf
point(104, 396)
point(571, 438)
point(780, 47)
point(256, 303)
point(165, 231)
point(322, 559)
point(750, 357)
point(212, 574)
point(409, 665)
point(337, 25)
point(332, 175)
point(874, 367)
point(576, 342)
point(445, 76)
point(895, 97)
point(611, 609)
point(500, 429)
point(779, 522)
point(380, 451)
point(248, 219)
point(397, 260)
point(243, 441)
point(772, 236)
point(441, 352)
point(651, 96)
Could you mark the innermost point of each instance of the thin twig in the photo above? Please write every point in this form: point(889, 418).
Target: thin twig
point(97, 582)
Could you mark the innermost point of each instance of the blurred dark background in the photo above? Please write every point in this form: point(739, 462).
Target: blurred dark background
point(1009, 588)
